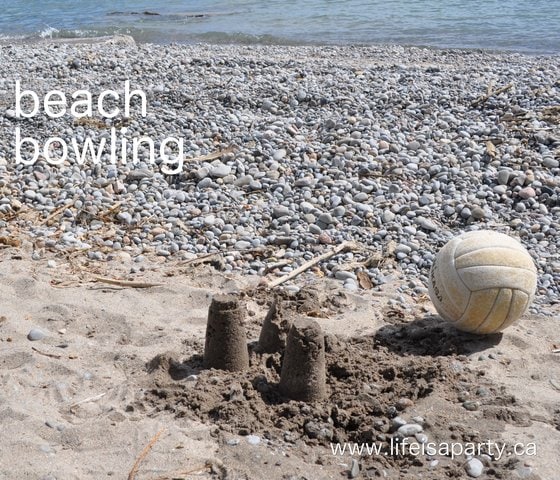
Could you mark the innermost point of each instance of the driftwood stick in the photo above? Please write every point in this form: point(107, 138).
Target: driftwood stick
point(54, 213)
point(211, 156)
point(143, 455)
point(125, 283)
point(110, 210)
point(51, 355)
point(306, 266)
point(491, 94)
point(199, 259)
point(89, 399)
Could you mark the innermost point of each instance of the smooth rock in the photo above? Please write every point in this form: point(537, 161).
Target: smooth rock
point(526, 193)
point(503, 177)
point(354, 469)
point(426, 224)
point(253, 439)
point(36, 334)
point(345, 275)
point(280, 211)
point(474, 467)
point(410, 429)
point(219, 170)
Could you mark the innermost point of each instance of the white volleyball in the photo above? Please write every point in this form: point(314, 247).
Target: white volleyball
point(482, 281)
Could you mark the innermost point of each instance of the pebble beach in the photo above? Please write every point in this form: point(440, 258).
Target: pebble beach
point(292, 149)
point(289, 152)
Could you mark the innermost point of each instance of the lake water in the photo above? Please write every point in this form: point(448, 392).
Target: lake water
point(529, 26)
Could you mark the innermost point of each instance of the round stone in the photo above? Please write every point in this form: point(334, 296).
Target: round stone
point(36, 334)
point(474, 468)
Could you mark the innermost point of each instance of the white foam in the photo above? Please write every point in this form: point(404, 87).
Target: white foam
point(48, 32)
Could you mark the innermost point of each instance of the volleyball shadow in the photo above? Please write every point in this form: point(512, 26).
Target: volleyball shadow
point(431, 336)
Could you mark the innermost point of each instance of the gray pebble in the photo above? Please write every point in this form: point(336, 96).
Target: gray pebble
point(354, 469)
point(279, 154)
point(326, 218)
point(471, 405)
point(339, 211)
point(345, 275)
point(398, 422)
point(205, 183)
point(36, 334)
point(401, 248)
point(550, 162)
point(388, 216)
point(125, 217)
point(426, 224)
point(280, 211)
point(139, 174)
point(503, 177)
point(478, 213)
point(351, 286)
point(219, 170)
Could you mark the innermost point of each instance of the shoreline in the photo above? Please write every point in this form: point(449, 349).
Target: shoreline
point(126, 38)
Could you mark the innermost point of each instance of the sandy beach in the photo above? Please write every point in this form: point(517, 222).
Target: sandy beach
point(107, 271)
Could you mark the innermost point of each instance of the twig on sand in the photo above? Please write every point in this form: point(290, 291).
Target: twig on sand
point(107, 213)
point(125, 283)
point(143, 454)
point(86, 400)
point(491, 93)
point(51, 355)
point(54, 213)
point(306, 266)
point(200, 259)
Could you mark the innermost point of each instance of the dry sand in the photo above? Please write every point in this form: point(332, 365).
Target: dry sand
point(114, 370)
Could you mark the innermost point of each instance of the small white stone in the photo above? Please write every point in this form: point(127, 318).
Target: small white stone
point(474, 467)
point(253, 439)
point(410, 429)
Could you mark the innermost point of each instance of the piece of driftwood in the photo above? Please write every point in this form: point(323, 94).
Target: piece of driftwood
point(343, 247)
point(200, 259)
point(125, 283)
point(86, 400)
point(10, 242)
point(54, 213)
point(211, 156)
point(110, 211)
point(491, 94)
point(143, 455)
point(51, 355)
